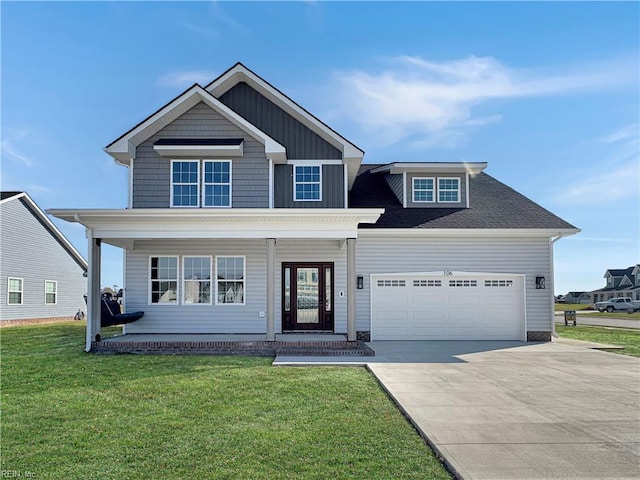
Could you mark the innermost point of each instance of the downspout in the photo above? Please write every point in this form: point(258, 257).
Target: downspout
point(553, 240)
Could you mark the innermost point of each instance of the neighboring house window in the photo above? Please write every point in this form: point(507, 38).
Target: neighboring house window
point(423, 190)
point(196, 274)
point(610, 281)
point(307, 181)
point(230, 274)
point(216, 184)
point(448, 190)
point(50, 292)
point(164, 280)
point(14, 291)
point(185, 179)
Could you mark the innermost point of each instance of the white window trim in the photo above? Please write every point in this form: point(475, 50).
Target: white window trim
point(296, 165)
point(413, 190)
point(449, 190)
point(244, 280)
point(55, 282)
point(185, 280)
point(150, 281)
point(21, 291)
point(171, 183)
point(210, 160)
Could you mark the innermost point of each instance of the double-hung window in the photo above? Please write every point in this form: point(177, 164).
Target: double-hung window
point(449, 190)
point(50, 292)
point(196, 274)
point(230, 275)
point(307, 183)
point(14, 291)
point(216, 184)
point(423, 190)
point(185, 183)
point(163, 280)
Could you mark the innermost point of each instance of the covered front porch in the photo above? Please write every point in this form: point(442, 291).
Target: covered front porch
point(267, 240)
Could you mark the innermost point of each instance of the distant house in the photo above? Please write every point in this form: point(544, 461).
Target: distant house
point(578, 297)
point(41, 274)
point(623, 282)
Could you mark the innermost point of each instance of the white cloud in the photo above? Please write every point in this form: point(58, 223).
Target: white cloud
point(411, 96)
point(185, 78)
point(201, 31)
point(10, 150)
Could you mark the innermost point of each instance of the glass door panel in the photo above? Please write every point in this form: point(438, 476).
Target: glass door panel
point(308, 295)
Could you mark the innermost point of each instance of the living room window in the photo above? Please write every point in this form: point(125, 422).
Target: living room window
point(50, 292)
point(14, 291)
point(196, 274)
point(307, 183)
point(216, 184)
point(185, 179)
point(448, 190)
point(230, 275)
point(423, 190)
point(163, 278)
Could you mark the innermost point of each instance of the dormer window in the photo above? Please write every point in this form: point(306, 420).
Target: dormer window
point(448, 190)
point(423, 190)
point(307, 183)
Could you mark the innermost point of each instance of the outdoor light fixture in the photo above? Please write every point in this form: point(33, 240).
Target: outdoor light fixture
point(540, 282)
point(360, 282)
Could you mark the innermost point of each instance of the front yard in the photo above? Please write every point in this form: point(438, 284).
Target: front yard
point(67, 414)
point(629, 339)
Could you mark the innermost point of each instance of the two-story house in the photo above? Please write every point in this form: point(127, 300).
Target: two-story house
point(621, 282)
point(247, 214)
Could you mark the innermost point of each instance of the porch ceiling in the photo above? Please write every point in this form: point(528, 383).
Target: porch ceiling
point(119, 227)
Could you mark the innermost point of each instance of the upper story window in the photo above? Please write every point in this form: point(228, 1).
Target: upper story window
point(610, 281)
point(216, 184)
point(14, 291)
point(449, 190)
point(187, 188)
point(307, 183)
point(50, 292)
point(185, 179)
point(423, 190)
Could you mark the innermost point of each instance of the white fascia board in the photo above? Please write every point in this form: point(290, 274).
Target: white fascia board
point(472, 168)
point(124, 149)
point(199, 150)
point(449, 273)
point(241, 73)
point(466, 232)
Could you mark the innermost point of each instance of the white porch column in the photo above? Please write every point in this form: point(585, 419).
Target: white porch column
point(93, 289)
point(351, 289)
point(271, 289)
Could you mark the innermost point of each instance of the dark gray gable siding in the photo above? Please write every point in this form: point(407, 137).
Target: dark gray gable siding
point(250, 173)
point(395, 183)
point(29, 251)
point(332, 188)
point(301, 143)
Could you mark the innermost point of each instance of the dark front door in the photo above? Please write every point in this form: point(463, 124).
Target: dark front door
point(307, 296)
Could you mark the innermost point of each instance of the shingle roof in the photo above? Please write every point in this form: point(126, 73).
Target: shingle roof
point(492, 205)
point(5, 195)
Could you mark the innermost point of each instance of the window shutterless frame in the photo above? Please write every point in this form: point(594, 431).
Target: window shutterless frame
point(169, 278)
point(50, 292)
point(15, 290)
point(423, 190)
point(307, 183)
point(200, 267)
point(231, 280)
point(217, 184)
point(185, 183)
point(448, 190)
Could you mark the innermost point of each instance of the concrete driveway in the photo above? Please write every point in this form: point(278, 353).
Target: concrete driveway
point(511, 410)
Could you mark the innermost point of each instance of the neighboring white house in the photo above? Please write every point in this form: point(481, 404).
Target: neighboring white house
point(247, 214)
point(41, 274)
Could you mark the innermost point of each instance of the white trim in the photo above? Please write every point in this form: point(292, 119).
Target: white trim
point(469, 232)
point(346, 185)
point(405, 187)
point(55, 293)
point(457, 200)
point(467, 188)
point(270, 183)
point(185, 280)
point(244, 279)
point(130, 172)
point(203, 184)
point(21, 291)
point(413, 190)
point(150, 280)
point(172, 184)
point(442, 167)
point(199, 150)
point(295, 182)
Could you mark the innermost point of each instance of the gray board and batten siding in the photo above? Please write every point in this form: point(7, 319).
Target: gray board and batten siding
point(30, 251)
point(250, 173)
point(301, 142)
point(332, 188)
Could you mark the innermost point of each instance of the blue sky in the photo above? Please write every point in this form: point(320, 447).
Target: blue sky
point(546, 93)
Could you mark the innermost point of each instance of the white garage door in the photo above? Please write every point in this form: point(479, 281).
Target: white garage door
point(451, 306)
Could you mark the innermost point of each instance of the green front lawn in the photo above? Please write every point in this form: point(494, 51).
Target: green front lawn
point(629, 339)
point(68, 414)
point(561, 307)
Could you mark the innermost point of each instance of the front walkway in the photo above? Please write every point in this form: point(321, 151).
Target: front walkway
point(512, 410)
